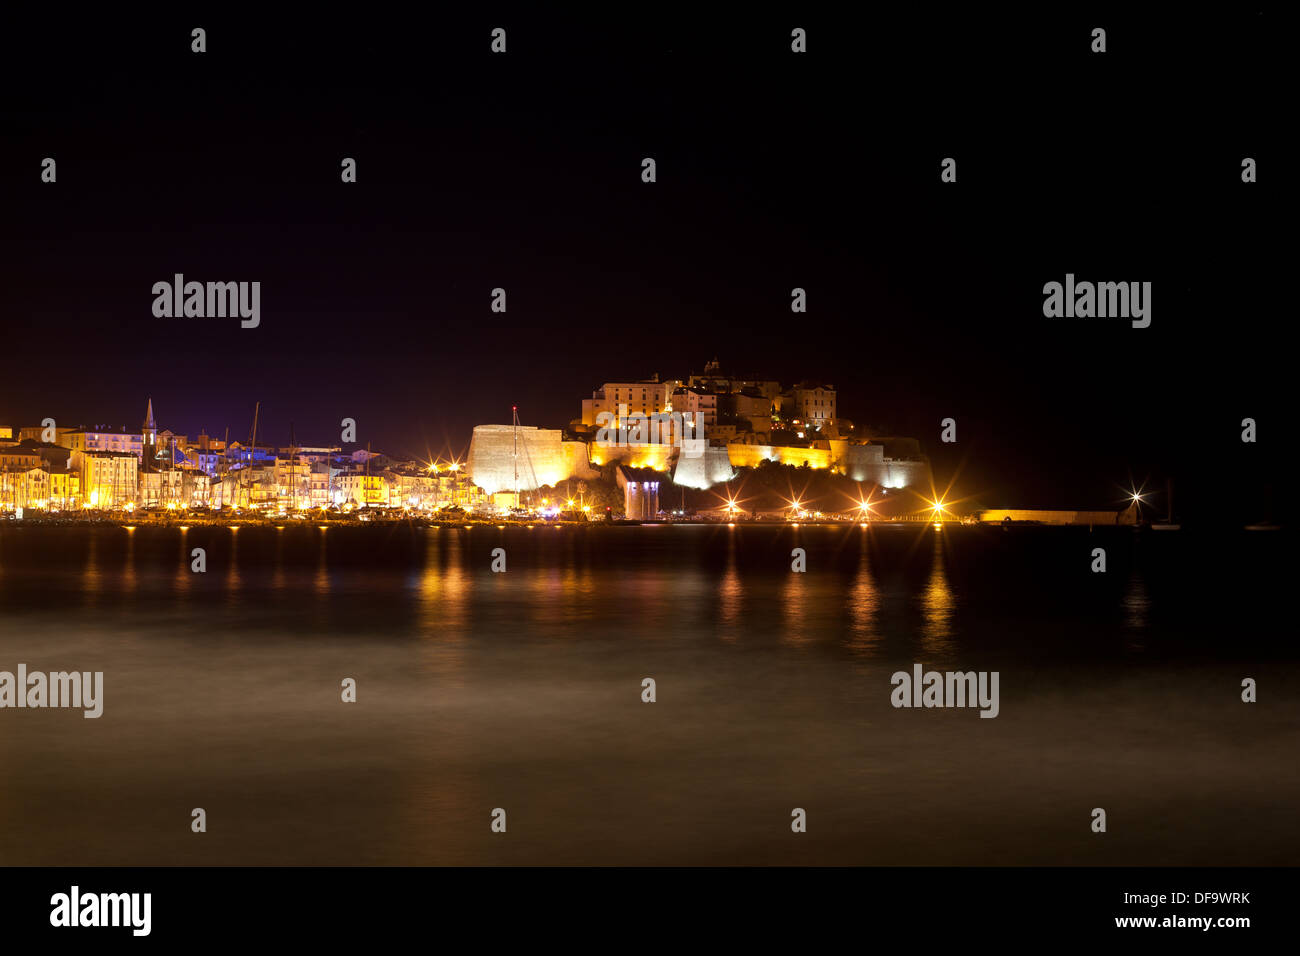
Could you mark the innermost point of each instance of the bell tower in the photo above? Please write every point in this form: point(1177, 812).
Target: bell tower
point(149, 431)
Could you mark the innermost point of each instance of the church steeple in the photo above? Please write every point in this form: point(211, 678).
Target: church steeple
point(149, 430)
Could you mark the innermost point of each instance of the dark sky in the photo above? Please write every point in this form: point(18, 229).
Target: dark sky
point(775, 170)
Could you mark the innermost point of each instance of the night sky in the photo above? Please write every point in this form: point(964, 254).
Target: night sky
point(774, 170)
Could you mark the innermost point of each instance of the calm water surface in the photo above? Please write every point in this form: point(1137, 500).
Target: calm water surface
point(522, 691)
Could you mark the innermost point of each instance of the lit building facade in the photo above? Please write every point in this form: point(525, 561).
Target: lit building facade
point(88, 440)
point(696, 405)
point(109, 479)
point(158, 489)
point(23, 487)
point(361, 491)
point(814, 404)
point(627, 398)
point(65, 488)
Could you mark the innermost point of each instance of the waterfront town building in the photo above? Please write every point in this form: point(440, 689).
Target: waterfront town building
point(108, 479)
point(96, 439)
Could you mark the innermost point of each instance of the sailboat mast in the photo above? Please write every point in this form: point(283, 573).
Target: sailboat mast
point(514, 412)
point(225, 443)
point(252, 453)
point(293, 471)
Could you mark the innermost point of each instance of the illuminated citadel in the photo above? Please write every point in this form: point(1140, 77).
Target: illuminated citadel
point(699, 432)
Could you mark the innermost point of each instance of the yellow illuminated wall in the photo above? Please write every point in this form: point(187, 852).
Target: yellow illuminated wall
point(750, 456)
point(542, 459)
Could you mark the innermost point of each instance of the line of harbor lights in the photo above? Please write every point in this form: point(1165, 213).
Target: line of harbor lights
point(936, 511)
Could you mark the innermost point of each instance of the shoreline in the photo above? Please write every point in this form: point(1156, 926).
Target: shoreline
point(282, 523)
